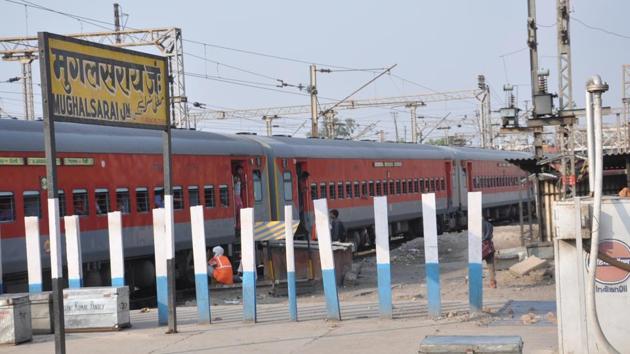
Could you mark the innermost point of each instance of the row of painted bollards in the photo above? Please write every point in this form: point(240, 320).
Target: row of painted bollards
point(73, 251)
point(382, 257)
point(74, 259)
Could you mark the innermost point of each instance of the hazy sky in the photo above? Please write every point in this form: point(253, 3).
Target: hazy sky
point(441, 45)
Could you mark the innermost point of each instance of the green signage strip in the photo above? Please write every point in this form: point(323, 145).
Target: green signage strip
point(11, 161)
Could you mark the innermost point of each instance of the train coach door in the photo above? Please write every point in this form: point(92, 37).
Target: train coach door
point(304, 200)
point(448, 169)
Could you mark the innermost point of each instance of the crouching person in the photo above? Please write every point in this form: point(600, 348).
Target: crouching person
point(220, 268)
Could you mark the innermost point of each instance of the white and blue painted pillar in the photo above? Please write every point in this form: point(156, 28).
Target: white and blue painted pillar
point(33, 254)
point(116, 248)
point(326, 259)
point(475, 276)
point(383, 268)
point(200, 263)
point(248, 259)
point(73, 251)
point(432, 264)
point(290, 252)
point(159, 244)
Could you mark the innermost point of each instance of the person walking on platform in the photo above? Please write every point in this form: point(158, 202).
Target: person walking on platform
point(487, 251)
point(220, 268)
point(337, 229)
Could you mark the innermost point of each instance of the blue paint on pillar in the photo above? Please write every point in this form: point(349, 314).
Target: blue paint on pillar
point(433, 289)
point(34, 288)
point(162, 300)
point(330, 291)
point(249, 296)
point(203, 298)
point(116, 282)
point(384, 290)
point(475, 287)
point(292, 296)
point(74, 283)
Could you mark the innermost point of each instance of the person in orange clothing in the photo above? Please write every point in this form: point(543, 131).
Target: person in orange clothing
point(220, 268)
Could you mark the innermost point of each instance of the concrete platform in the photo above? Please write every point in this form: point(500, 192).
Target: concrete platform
point(360, 331)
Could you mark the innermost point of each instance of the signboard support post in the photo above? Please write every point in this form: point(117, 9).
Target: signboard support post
point(159, 243)
point(170, 230)
point(73, 251)
point(53, 203)
point(116, 249)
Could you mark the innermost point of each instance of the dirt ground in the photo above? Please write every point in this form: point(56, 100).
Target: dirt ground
point(408, 275)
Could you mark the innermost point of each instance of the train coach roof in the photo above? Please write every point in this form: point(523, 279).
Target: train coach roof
point(326, 148)
point(323, 148)
point(477, 154)
point(70, 137)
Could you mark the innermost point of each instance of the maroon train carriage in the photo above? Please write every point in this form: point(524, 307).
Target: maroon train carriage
point(106, 168)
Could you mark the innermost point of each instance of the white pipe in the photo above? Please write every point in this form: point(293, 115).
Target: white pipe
point(590, 146)
point(596, 87)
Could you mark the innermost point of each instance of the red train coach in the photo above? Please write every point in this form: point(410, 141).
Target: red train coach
point(106, 168)
point(349, 173)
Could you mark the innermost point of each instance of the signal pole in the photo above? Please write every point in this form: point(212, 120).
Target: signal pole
point(313, 91)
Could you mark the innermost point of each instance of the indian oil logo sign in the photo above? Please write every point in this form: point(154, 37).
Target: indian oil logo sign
point(88, 82)
point(609, 277)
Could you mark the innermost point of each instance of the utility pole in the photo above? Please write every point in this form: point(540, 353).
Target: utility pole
point(484, 113)
point(565, 98)
point(117, 23)
point(27, 88)
point(381, 134)
point(269, 123)
point(312, 88)
point(395, 115)
point(625, 79)
point(329, 120)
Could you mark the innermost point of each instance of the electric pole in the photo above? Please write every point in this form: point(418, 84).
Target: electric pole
point(117, 23)
point(395, 115)
point(269, 123)
point(27, 88)
point(313, 91)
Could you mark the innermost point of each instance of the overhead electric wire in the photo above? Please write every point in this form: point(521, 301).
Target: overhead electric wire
point(600, 29)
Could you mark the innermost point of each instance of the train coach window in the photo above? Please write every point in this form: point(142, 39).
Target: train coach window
point(398, 187)
point(364, 189)
point(258, 191)
point(122, 200)
point(340, 190)
point(208, 196)
point(357, 190)
point(404, 187)
point(313, 191)
point(385, 189)
point(348, 190)
point(392, 188)
point(442, 184)
point(193, 195)
point(287, 183)
point(61, 196)
point(178, 198)
point(80, 202)
point(224, 196)
point(331, 190)
point(7, 207)
point(158, 197)
point(409, 186)
point(142, 200)
point(371, 188)
point(322, 191)
point(101, 197)
point(31, 204)
point(416, 186)
point(432, 185)
point(379, 189)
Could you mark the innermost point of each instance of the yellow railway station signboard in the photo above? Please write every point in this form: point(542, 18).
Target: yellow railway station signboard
point(87, 82)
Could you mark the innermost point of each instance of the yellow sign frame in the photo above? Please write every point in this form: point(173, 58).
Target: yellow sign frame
point(87, 82)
